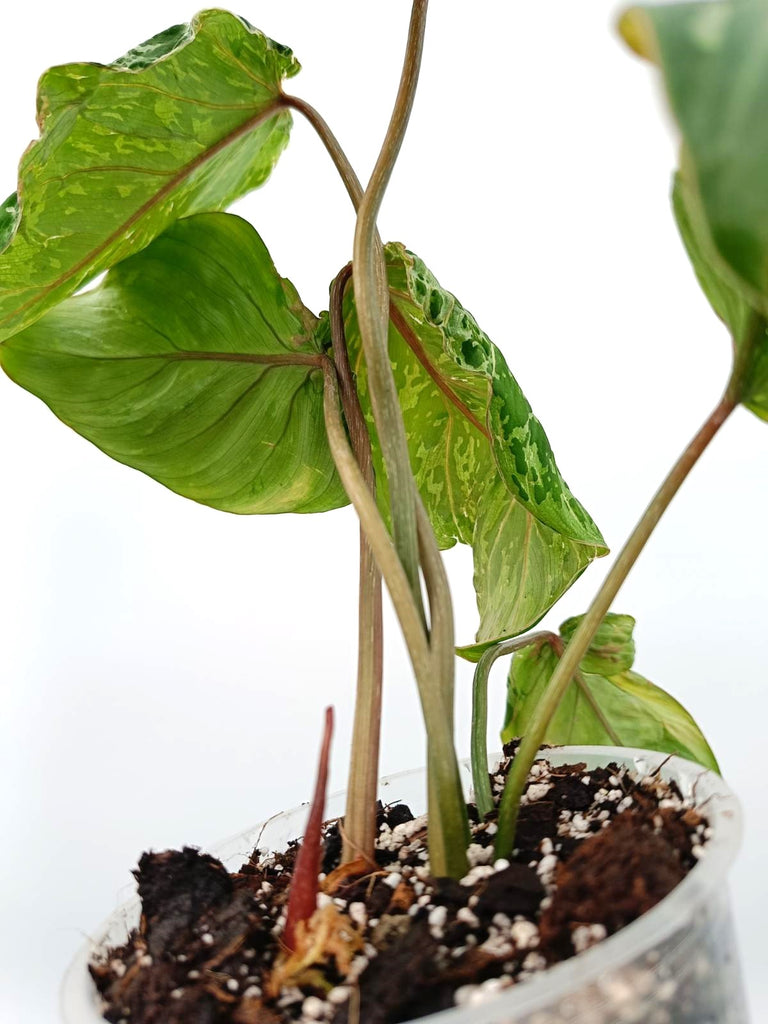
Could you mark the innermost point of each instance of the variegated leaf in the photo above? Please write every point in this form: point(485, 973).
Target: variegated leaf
point(185, 123)
point(481, 459)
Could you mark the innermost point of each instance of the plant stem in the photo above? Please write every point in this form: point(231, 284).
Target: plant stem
point(448, 830)
point(447, 808)
point(375, 528)
point(568, 666)
point(413, 536)
point(479, 753)
point(372, 300)
point(331, 143)
point(558, 646)
point(432, 655)
point(583, 636)
point(362, 788)
point(435, 579)
point(597, 711)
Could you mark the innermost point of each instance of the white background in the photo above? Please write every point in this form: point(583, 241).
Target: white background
point(164, 666)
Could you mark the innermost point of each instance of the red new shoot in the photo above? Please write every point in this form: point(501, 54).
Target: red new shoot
point(303, 899)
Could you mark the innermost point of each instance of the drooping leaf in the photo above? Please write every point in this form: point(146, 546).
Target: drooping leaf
point(609, 703)
point(481, 459)
point(712, 273)
point(185, 123)
point(718, 284)
point(195, 362)
point(714, 60)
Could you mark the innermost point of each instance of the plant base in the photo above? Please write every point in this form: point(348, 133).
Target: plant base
point(412, 945)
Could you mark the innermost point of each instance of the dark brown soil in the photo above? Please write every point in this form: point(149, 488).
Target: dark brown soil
point(595, 851)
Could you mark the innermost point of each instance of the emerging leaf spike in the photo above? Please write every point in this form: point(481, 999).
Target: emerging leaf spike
point(303, 899)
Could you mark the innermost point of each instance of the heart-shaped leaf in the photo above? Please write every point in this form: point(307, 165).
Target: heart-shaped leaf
point(481, 459)
point(185, 123)
point(607, 704)
point(714, 61)
point(195, 362)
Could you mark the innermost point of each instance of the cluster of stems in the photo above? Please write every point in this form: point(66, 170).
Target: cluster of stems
point(408, 558)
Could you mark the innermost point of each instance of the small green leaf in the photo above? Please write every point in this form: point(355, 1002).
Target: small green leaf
point(608, 704)
point(196, 363)
point(714, 60)
point(185, 123)
point(481, 459)
point(613, 647)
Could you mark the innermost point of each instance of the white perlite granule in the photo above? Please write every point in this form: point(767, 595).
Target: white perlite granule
point(393, 839)
point(537, 791)
point(586, 935)
point(524, 934)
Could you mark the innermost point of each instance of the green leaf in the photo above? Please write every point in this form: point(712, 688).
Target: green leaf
point(609, 704)
point(718, 284)
point(714, 61)
point(481, 459)
point(185, 123)
point(613, 647)
point(194, 362)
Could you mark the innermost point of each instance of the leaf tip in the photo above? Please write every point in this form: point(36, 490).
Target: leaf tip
point(635, 28)
point(472, 652)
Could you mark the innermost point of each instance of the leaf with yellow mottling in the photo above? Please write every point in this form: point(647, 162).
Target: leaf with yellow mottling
point(185, 123)
point(481, 459)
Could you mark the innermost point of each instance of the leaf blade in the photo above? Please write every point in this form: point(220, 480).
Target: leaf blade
point(127, 148)
point(479, 456)
point(195, 363)
point(714, 62)
point(638, 713)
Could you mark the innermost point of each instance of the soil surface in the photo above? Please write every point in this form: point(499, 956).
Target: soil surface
point(389, 942)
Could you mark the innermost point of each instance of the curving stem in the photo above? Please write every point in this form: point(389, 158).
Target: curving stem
point(582, 638)
point(430, 647)
point(744, 354)
point(479, 752)
point(372, 299)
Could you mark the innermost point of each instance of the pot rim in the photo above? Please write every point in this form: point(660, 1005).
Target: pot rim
point(79, 1000)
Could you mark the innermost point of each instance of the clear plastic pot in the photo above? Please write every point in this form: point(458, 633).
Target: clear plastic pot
point(676, 965)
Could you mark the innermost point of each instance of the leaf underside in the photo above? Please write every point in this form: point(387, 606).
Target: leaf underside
point(634, 710)
point(185, 123)
point(196, 363)
point(481, 459)
point(714, 60)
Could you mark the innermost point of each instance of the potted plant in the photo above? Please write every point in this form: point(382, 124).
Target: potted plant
point(127, 365)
